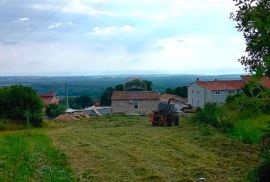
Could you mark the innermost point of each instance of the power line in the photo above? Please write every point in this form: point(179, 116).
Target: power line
point(33, 27)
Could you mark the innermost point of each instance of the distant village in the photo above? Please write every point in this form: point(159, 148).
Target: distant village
point(142, 102)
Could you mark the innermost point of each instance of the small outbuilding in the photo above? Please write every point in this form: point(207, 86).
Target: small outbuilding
point(49, 98)
point(134, 102)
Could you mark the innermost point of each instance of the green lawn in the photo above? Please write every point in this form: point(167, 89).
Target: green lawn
point(120, 148)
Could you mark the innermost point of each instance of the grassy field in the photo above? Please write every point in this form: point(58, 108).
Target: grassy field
point(32, 157)
point(123, 148)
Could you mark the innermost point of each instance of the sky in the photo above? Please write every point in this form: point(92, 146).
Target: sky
point(96, 37)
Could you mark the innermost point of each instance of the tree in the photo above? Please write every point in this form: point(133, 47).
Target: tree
point(119, 87)
point(53, 110)
point(80, 102)
point(180, 91)
point(253, 19)
point(138, 85)
point(84, 101)
point(17, 100)
point(169, 91)
point(105, 98)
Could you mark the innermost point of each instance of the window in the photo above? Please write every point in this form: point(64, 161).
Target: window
point(198, 92)
point(192, 91)
point(216, 93)
point(231, 91)
point(136, 104)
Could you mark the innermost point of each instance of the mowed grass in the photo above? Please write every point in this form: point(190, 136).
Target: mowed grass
point(121, 148)
point(32, 157)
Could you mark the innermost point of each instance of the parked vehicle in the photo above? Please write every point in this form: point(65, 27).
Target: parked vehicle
point(166, 115)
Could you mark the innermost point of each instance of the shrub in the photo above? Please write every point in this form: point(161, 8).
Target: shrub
point(17, 100)
point(213, 114)
point(262, 173)
point(53, 111)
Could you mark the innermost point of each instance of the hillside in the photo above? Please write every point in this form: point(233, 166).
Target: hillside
point(95, 85)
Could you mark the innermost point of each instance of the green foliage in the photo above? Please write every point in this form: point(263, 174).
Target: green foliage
point(180, 91)
point(53, 110)
point(119, 87)
point(16, 100)
point(84, 101)
point(80, 102)
point(250, 129)
point(105, 98)
point(138, 85)
point(253, 19)
point(213, 115)
point(32, 158)
point(262, 173)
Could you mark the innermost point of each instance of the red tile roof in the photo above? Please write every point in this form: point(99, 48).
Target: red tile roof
point(222, 84)
point(49, 98)
point(265, 80)
point(134, 95)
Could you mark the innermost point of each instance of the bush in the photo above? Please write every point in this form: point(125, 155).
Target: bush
point(17, 100)
point(213, 114)
point(262, 173)
point(53, 111)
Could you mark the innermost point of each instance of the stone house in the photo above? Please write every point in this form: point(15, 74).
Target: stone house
point(134, 102)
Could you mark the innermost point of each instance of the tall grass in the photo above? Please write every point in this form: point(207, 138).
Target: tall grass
point(10, 125)
point(251, 129)
point(213, 115)
point(24, 158)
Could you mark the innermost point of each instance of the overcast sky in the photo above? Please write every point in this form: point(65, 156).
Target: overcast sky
point(86, 37)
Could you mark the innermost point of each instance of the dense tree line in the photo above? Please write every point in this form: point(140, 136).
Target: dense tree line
point(80, 102)
point(180, 91)
point(20, 103)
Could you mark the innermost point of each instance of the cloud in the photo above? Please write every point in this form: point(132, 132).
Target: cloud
point(24, 19)
point(175, 36)
point(60, 24)
point(111, 30)
point(55, 25)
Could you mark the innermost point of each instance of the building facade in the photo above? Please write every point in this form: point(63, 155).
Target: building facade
point(202, 92)
point(134, 102)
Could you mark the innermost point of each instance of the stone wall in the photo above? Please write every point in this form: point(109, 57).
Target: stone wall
point(127, 107)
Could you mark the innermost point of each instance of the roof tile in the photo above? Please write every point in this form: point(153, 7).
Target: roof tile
point(222, 84)
point(133, 95)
